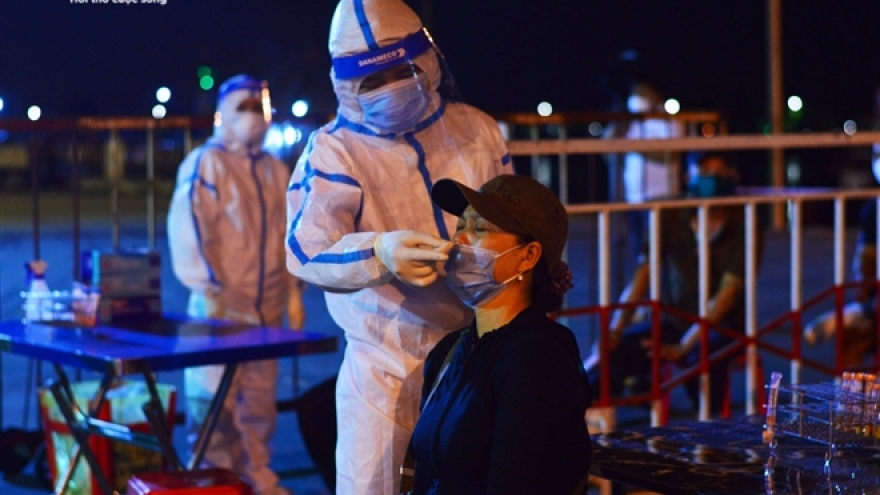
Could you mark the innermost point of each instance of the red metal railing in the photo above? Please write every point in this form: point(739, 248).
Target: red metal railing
point(661, 386)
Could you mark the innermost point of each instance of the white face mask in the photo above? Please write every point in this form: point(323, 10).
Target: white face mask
point(638, 104)
point(249, 128)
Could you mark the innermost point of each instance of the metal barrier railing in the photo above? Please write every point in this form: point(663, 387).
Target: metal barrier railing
point(794, 201)
point(587, 127)
point(563, 147)
point(109, 153)
point(739, 142)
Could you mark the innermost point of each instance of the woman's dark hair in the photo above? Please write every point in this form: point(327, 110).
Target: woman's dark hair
point(548, 289)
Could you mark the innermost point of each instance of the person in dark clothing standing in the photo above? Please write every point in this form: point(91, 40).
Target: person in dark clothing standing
point(865, 259)
point(859, 316)
point(504, 399)
point(630, 356)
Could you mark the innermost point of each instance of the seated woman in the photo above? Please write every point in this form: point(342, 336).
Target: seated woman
point(504, 399)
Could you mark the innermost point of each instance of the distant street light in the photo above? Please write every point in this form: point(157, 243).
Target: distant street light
point(206, 82)
point(292, 135)
point(795, 104)
point(672, 106)
point(163, 94)
point(545, 109)
point(159, 111)
point(34, 112)
point(1, 104)
point(300, 108)
point(206, 77)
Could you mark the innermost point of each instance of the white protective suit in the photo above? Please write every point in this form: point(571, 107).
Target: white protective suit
point(355, 181)
point(227, 247)
point(646, 178)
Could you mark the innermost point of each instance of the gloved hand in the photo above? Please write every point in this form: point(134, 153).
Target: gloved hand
point(296, 311)
point(203, 305)
point(411, 256)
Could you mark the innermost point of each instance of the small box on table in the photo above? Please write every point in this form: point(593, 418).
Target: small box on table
point(97, 263)
point(214, 481)
point(120, 309)
point(129, 282)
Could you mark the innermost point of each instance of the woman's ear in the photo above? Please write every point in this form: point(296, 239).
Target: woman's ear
point(531, 256)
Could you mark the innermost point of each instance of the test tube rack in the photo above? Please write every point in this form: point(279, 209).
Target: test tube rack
point(838, 415)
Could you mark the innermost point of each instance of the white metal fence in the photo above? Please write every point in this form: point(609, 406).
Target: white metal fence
point(788, 211)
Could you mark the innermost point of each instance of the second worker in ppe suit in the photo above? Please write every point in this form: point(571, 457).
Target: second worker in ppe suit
point(362, 226)
point(227, 249)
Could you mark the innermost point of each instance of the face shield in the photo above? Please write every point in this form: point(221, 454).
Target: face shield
point(252, 118)
point(244, 112)
point(395, 87)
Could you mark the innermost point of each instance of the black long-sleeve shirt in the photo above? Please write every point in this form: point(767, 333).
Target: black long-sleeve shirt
point(507, 417)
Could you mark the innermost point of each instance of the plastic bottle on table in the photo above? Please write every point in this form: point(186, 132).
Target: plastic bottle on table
point(37, 299)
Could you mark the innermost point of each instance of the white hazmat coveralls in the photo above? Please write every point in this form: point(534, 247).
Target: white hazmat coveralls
point(646, 178)
point(227, 247)
point(355, 181)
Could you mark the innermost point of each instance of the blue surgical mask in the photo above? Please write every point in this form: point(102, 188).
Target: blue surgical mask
point(396, 107)
point(710, 186)
point(470, 273)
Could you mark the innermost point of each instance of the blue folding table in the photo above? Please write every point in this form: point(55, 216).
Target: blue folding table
point(147, 347)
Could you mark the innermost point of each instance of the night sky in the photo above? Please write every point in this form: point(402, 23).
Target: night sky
point(506, 55)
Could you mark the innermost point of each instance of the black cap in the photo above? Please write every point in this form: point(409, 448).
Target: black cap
point(515, 203)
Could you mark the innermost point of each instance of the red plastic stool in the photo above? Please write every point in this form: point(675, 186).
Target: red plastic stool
point(214, 481)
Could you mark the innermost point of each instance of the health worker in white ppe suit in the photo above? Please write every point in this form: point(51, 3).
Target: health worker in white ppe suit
point(361, 225)
point(227, 248)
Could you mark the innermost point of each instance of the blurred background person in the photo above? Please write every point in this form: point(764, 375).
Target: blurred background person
point(361, 224)
point(227, 248)
point(647, 176)
point(630, 356)
point(859, 315)
point(505, 397)
point(859, 322)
